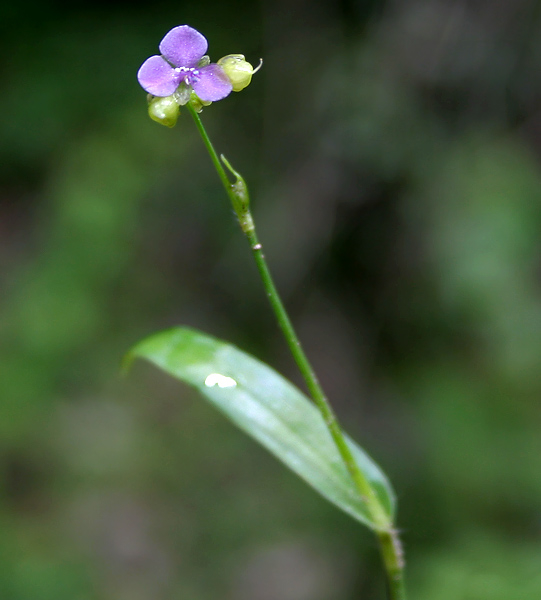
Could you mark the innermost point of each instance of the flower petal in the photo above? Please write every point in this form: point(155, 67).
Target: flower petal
point(183, 46)
point(212, 83)
point(157, 77)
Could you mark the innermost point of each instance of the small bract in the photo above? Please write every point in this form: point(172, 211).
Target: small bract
point(182, 61)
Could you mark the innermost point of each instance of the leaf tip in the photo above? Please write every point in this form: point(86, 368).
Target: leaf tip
point(126, 362)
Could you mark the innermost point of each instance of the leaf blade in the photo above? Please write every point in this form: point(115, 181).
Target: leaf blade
point(268, 408)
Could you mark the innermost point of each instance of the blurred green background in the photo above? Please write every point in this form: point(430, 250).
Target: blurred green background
point(393, 153)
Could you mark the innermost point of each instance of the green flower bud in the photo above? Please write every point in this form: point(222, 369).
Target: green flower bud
point(238, 70)
point(164, 110)
point(197, 103)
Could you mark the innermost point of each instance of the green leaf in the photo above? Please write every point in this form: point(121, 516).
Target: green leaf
point(270, 409)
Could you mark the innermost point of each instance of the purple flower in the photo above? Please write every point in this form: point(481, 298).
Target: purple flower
point(182, 50)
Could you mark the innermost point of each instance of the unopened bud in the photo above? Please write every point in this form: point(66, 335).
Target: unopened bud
point(238, 70)
point(196, 102)
point(164, 110)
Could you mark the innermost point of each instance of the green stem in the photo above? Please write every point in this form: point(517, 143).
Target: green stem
point(213, 155)
point(393, 559)
point(389, 542)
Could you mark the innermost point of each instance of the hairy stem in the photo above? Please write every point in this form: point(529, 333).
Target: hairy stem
point(390, 547)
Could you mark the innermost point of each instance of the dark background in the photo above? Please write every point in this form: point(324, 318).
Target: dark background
point(393, 155)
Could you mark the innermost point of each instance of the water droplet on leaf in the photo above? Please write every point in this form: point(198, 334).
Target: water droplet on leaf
point(222, 381)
